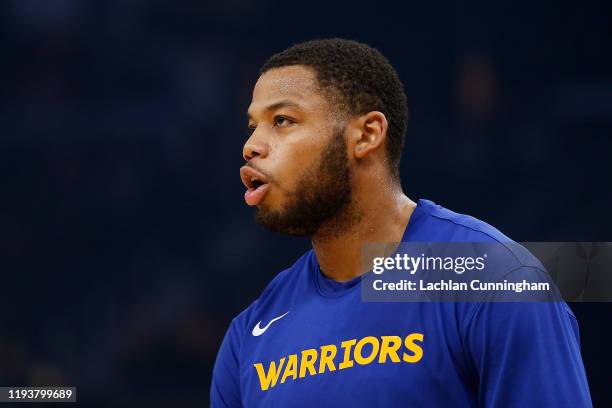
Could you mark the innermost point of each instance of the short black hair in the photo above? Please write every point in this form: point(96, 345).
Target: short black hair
point(361, 76)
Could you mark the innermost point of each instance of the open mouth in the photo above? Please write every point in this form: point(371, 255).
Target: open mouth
point(256, 184)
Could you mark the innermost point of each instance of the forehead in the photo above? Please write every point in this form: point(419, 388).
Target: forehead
point(294, 83)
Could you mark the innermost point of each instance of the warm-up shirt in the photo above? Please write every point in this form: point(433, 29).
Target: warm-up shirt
point(309, 341)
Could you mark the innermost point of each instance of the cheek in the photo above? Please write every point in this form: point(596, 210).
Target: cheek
point(293, 158)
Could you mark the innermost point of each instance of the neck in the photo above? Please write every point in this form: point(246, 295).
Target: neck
point(380, 216)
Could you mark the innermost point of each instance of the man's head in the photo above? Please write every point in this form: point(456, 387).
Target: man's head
point(325, 114)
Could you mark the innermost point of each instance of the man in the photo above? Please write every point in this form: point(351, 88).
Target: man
point(327, 123)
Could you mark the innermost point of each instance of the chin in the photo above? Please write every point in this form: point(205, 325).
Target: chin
point(265, 207)
point(272, 204)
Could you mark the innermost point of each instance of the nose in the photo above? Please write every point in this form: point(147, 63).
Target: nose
point(254, 148)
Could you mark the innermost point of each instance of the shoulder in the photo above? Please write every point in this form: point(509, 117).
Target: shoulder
point(459, 227)
point(510, 260)
point(279, 290)
point(444, 225)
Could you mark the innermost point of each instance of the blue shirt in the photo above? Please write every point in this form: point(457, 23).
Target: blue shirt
point(309, 341)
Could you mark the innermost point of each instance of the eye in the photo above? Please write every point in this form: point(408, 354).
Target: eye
point(281, 121)
point(251, 129)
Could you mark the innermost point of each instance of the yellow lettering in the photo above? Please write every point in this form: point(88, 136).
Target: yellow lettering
point(290, 368)
point(359, 358)
point(328, 353)
point(269, 379)
point(386, 348)
point(347, 345)
point(309, 357)
point(389, 347)
point(410, 344)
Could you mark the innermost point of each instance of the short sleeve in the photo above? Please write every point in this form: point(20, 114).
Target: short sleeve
point(527, 354)
point(225, 387)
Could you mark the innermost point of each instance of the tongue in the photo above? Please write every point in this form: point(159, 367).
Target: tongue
point(253, 196)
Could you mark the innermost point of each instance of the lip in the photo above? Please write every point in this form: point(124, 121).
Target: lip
point(247, 173)
point(255, 193)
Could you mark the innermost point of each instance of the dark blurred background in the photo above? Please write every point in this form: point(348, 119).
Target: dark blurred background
point(125, 242)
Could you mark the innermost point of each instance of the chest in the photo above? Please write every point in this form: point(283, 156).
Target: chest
point(320, 351)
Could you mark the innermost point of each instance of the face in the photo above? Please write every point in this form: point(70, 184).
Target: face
point(297, 170)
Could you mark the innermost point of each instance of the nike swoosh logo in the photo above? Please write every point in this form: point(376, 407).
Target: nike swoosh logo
point(258, 331)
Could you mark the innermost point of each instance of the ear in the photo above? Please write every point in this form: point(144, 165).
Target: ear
point(373, 132)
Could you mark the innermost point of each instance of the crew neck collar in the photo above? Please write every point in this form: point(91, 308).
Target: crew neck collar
point(330, 288)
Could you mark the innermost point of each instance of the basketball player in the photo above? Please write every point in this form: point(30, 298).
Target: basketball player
point(327, 123)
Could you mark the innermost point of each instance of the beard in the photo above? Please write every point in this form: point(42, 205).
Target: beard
point(322, 202)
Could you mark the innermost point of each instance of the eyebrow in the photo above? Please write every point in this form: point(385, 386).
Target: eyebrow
point(285, 103)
